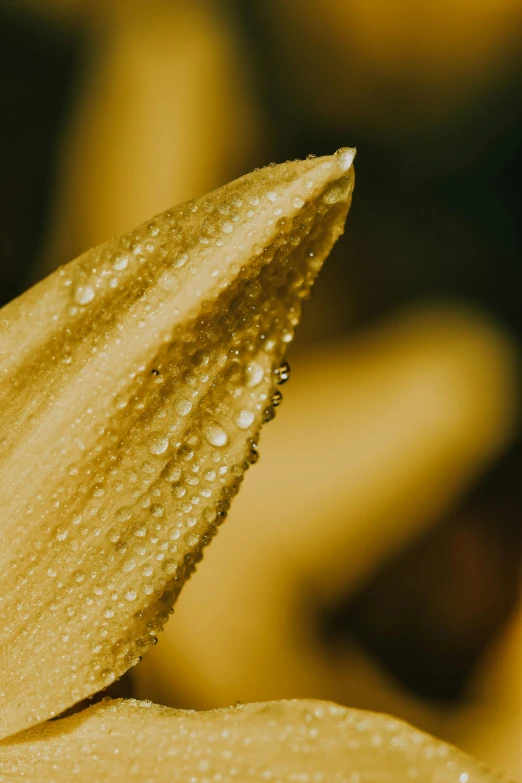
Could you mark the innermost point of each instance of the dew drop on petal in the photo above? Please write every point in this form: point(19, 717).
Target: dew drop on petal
point(83, 294)
point(215, 434)
point(183, 407)
point(277, 398)
point(62, 533)
point(157, 443)
point(120, 263)
point(254, 374)
point(244, 419)
point(283, 373)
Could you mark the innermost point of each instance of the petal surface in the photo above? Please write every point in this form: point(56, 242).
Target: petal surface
point(288, 741)
point(134, 382)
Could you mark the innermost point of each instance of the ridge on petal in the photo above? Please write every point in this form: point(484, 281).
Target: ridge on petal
point(134, 382)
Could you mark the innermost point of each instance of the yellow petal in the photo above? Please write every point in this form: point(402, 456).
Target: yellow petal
point(133, 384)
point(307, 741)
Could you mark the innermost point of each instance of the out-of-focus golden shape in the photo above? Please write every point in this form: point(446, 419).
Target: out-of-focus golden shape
point(284, 742)
point(399, 423)
point(427, 55)
point(134, 382)
point(164, 114)
point(490, 725)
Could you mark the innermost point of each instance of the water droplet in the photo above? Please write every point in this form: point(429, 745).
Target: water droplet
point(129, 565)
point(200, 359)
point(244, 419)
point(298, 203)
point(84, 294)
point(131, 595)
point(123, 514)
point(157, 443)
point(345, 156)
point(277, 398)
point(181, 261)
point(215, 434)
point(254, 374)
point(120, 263)
point(169, 566)
point(283, 373)
point(62, 533)
point(171, 472)
point(268, 414)
point(183, 407)
point(336, 192)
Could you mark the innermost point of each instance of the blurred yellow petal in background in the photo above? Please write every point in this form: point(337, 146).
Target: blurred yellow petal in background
point(439, 51)
point(156, 122)
point(378, 438)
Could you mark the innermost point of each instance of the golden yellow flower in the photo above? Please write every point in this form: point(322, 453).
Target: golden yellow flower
point(134, 382)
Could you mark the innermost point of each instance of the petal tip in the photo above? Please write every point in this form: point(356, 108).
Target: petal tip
point(345, 157)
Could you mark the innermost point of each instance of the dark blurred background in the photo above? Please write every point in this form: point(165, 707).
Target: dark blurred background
point(114, 111)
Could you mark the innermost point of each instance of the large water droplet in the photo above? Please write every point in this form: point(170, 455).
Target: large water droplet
point(157, 443)
point(244, 419)
point(268, 414)
point(215, 434)
point(277, 398)
point(84, 294)
point(254, 374)
point(183, 407)
point(283, 373)
point(120, 263)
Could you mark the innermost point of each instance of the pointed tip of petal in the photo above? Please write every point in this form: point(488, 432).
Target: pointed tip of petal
point(345, 157)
